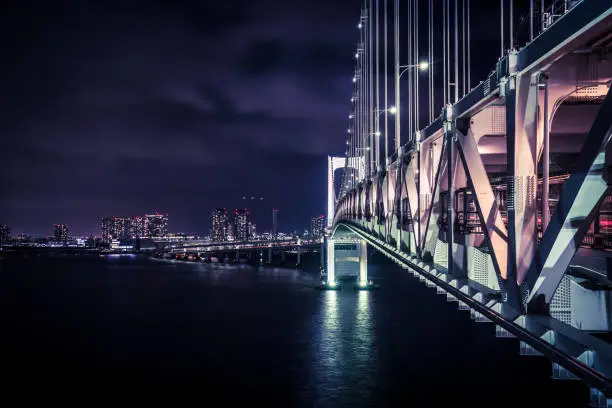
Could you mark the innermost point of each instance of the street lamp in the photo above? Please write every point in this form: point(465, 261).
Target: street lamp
point(422, 66)
point(393, 110)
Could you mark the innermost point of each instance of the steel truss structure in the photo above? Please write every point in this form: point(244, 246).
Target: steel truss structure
point(479, 203)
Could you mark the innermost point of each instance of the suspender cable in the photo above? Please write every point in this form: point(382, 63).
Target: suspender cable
point(530, 19)
point(430, 61)
point(397, 89)
point(501, 26)
point(456, 53)
point(469, 57)
point(409, 62)
point(371, 89)
point(448, 50)
point(417, 100)
point(444, 78)
point(511, 25)
point(463, 48)
point(385, 29)
point(542, 15)
point(377, 111)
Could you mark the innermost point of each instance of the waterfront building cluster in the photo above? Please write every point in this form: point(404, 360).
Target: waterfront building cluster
point(237, 226)
point(317, 226)
point(146, 231)
point(124, 228)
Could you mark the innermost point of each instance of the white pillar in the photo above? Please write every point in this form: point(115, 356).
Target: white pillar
point(363, 262)
point(331, 258)
point(331, 194)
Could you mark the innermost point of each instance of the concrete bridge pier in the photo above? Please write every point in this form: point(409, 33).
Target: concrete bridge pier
point(269, 255)
point(363, 262)
point(331, 260)
point(299, 255)
point(322, 253)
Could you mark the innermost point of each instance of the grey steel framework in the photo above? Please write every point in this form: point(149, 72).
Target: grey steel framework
point(501, 202)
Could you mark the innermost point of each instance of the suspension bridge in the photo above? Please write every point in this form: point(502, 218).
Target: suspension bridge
point(495, 193)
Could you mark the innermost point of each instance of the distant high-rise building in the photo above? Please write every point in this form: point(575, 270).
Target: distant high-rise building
point(252, 229)
point(155, 225)
point(60, 232)
point(274, 223)
point(219, 225)
point(317, 226)
point(113, 228)
point(4, 234)
point(136, 227)
point(240, 224)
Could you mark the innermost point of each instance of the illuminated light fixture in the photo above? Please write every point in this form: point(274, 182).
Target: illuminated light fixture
point(377, 133)
point(331, 284)
point(423, 65)
point(351, 116)
point(363, 284)
point(393, 110)
point(368, 148)
point(352, 99)
point(347, 141)
point(354, 79)
point(359, 26)
point(356, 55)
point(348, 130)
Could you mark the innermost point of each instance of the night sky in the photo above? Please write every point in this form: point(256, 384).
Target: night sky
point(128, 107)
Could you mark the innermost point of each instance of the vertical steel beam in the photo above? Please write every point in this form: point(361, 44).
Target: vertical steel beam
point(511, 284)
point(582, 192)
point(545, 162)
point(522, 155)
point(450, 209)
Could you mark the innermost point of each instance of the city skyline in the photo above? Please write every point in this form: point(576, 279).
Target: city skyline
point(214, 90)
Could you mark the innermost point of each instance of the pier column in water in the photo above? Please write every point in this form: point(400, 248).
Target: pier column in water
point(299, 255)
point(269, 255)
point(331, 259)
point(363, 262)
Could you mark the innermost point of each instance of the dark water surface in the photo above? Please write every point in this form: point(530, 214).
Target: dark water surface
point(83, 330)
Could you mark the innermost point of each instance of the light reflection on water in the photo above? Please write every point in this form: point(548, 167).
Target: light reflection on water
point(343, 341)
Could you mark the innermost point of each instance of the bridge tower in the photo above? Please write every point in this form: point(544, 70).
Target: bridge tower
point(334, 163)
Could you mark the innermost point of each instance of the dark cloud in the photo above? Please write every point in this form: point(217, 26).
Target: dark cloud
point(124, 107)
